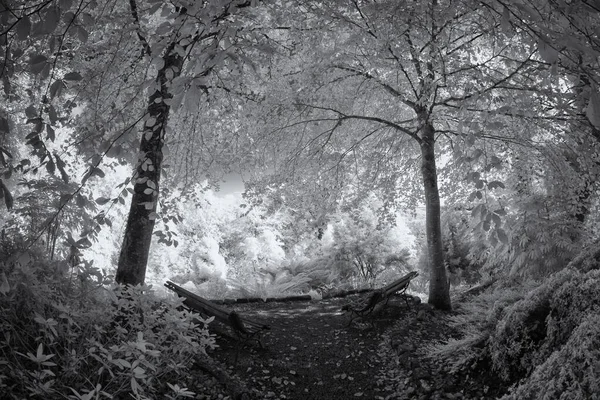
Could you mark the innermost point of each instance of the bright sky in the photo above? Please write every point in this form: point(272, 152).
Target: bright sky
point(232, 184)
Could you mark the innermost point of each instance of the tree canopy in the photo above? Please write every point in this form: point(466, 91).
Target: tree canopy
point(488, 109)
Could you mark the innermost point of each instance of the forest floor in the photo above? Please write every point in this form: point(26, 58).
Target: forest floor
point(312, 354)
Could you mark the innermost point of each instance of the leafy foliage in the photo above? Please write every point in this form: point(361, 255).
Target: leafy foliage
point(476, 318)
point(571, 371)
point(538, 338)
point(81, 339)
point(459, 243)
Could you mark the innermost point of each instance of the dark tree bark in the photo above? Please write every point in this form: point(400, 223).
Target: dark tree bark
point(138, 231)
point(439, 288)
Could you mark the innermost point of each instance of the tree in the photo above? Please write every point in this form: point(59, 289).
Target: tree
point(35, 40)
point(395, 73)
point(541, 146)
point(196, 33)
point(169, 51)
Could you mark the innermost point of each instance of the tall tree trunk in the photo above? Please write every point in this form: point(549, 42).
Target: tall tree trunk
point(439, 287)
point(140, 222)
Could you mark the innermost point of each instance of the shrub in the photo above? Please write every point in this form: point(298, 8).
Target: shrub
point(545, 342)
point(542, 340)
point(571, 372)
point(542, 322)
point(61, 342)
point(475, 320)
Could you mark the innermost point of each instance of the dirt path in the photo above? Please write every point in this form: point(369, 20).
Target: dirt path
point(313, 354)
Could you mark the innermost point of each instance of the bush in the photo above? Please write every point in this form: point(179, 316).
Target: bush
point(476, 320)
point(62, 342)
point(571, 372)
point(545, 342)
point(543, 322)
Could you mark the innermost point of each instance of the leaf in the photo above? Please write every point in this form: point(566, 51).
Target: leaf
point(64, 199)
point(497, 220)
point(4, 151)
point(50, 166)
point(486, 226)
point(502, 235)
point(37, 62)
point(159, 63)
point(83, 243)
point(8, 199)
point(4, 127)
point(56, 88)
point(23, 28)
point(52, 115)
point(50, 20)
point(68, 17)
point(102, 200)
point(87, 19)
point(45, 71)
point(98, 172)
point(474, 176)
point(52, 44)
point(80, 200)
point(50, 132)
point(505, 23)
point(479, 209)
point(476, 154)
point(593, 109)
point(73, 76)
point(547, 52)
point(151, 121)
point(496, 184)
point(82, 34)
point(38, 30)
point(60, 164)
point(5, 286)
point(31, 112)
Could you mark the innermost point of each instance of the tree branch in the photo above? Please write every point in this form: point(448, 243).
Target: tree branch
point(394, 92)
point(138, 28)
point(491, 87)
point(343, 116)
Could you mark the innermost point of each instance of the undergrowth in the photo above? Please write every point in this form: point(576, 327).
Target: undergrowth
point(542, 342)
point(77, 339)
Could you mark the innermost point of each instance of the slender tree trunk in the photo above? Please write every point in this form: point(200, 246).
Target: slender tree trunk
point(439, 288)
point(140, 222)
